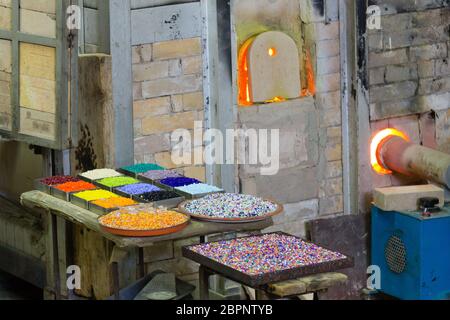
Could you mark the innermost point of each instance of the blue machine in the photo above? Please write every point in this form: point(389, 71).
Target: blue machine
point(413, 253)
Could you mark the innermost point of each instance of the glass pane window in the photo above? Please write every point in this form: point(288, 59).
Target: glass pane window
point(5, 85)
point(5, 14)
point(38, 17)
point(37, 88)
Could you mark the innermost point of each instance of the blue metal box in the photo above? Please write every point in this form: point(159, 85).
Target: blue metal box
point(413, 253)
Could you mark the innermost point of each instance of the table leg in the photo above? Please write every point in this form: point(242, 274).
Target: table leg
point(115, 276)
point(204, 274)
point(141, 262)
point(56, 273)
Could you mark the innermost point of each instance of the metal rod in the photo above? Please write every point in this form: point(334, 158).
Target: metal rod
point(414, 160)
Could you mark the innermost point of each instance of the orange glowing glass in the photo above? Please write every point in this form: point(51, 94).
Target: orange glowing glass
point(243, 77)
point(375, 145)
point(272, 52)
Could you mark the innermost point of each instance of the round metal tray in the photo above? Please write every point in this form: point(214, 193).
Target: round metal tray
point(145, 233)
point(182, 209)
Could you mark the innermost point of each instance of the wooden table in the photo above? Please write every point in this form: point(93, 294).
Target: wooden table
point(37, 200)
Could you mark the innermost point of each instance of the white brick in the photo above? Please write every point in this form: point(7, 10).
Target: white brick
point(150, 71)
point(175, 69)
point(376, 75)
point(396, 73)
point(428, 52)
point(146, 52)
point(327, 48)
point(170, 86)
point(177, 49)
point(328, 65)
point(396, 91)
point(429, 86)
point(329, 82)
point(386, 58)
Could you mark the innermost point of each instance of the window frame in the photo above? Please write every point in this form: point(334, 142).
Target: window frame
point(65, 62)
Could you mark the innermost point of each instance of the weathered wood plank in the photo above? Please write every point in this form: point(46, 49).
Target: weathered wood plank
point(21, 230)
point(92, 255)
point(77, 215)
point(95, 145)
point(405, 198)
point(308, 284)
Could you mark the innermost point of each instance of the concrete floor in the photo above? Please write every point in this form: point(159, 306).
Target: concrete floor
point(12, 288)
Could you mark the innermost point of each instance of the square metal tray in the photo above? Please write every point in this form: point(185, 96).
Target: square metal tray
point(102, 186)
point(60, 194)
point(168, 203)
point(144, 179)
point(128, 173)
point(122, 194)
point(38, 185)
point(162, 186)
point(257, 281)
point(126, 195)
point(189, 196)
point(100, 210)
point(79, 176)
point(79, 202)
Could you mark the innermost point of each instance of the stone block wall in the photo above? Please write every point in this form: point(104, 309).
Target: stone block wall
point(168, 95)
point(309, 182)
point(409, 75)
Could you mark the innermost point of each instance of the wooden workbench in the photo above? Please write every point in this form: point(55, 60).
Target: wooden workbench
point(60, 212)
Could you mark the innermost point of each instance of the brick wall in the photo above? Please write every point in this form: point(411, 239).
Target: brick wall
point(409, 75)
point(168, 95)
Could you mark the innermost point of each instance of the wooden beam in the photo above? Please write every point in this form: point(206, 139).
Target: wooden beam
point(120, 50)
point(88, 219)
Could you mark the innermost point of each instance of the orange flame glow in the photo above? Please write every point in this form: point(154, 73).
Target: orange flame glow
point(243, 77)
point(376, 144)
point(311, 88)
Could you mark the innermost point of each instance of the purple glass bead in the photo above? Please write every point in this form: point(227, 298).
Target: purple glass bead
point(138, 188)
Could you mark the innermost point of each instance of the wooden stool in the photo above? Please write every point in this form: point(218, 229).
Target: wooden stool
point(286, 289)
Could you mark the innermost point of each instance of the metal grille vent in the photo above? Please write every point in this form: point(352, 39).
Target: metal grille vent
point(395, 253)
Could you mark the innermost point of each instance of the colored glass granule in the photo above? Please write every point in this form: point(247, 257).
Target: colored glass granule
point(138, 188)
point(231, 205)
point(53, 181)
point(179, 182)
point(112, 203)
point(143, 167)
point(98, 174)
point(143, 217)
point(95, 195)
point(117, 181)
point(158, 196)
point(199, 188)
point(75, 186)
point(161, 174)
point(266, 254)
